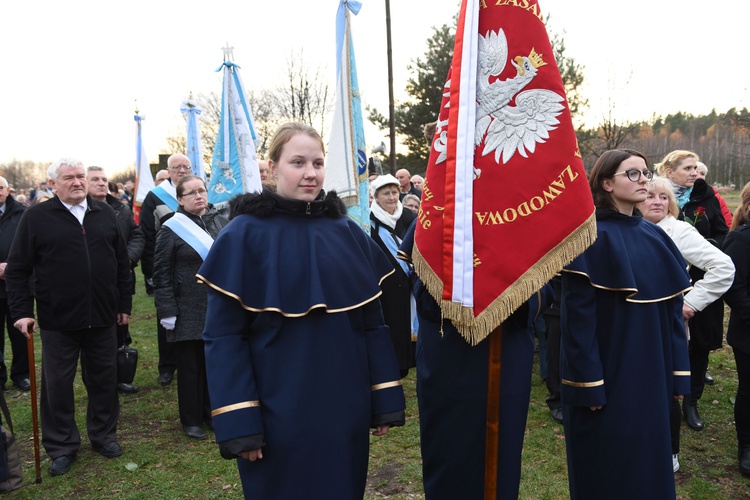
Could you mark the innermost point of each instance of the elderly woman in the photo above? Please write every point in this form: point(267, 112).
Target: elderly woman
point(700, 208)
point(661, 208)
point(411, 201)
point(299, 362)
point(181, 245)
point(388, 224)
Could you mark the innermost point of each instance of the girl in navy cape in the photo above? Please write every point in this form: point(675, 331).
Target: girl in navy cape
point(300, 363)
point(624, 350)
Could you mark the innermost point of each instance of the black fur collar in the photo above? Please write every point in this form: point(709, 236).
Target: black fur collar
point(268, 203)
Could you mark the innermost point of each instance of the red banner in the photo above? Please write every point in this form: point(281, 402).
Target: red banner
point(506, 201)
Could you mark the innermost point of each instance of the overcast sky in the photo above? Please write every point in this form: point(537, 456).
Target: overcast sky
point(71, 71)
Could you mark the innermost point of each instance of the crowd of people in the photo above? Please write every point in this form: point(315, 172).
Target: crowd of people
point(290, 329)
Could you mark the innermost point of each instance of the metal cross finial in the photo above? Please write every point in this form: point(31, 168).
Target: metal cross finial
point(136, 106)
point(228, 52)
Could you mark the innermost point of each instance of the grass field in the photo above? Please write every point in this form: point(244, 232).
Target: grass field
point(160, 462)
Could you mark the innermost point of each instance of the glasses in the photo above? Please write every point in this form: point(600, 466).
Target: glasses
point(180, 167)
point(634, 175)
point(192, 194)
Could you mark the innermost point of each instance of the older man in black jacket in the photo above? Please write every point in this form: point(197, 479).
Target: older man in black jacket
point(10, 213)
point(76, 253)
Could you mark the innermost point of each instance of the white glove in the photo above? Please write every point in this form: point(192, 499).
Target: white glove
point(169, 322)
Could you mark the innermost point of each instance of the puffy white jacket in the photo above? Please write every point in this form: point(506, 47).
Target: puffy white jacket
point(698, 252)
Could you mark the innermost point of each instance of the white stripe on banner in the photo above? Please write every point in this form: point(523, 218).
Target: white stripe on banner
point(463, 237)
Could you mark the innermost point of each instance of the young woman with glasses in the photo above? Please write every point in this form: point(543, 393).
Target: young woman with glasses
point(624, 351)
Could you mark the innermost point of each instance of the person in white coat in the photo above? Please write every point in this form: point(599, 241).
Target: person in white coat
point(661, 208)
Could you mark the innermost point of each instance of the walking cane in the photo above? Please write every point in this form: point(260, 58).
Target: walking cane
point(34, 418)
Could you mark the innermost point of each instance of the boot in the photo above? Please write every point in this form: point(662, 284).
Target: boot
point(743, 454)
point(693, 420)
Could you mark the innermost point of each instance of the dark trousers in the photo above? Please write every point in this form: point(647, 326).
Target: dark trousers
point(553, 361)
point(742, 402)
point(19, 368)
point(60, 352)
point(698, 369)
point(167, 351)
point(192, 386)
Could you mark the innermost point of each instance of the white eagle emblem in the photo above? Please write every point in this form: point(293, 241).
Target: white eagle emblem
point(511, 128)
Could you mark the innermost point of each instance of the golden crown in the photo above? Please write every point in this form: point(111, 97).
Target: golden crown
point(536, 59)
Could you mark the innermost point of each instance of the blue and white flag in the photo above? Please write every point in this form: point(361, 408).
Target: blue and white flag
point(346, 164)
point(193, 146)
point(234, 167)
point(144, 180)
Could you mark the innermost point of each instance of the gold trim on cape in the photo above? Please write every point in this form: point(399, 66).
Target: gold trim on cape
point(583, 384)
point(202, 279)
point(633, 290)
point(385, 385)
point(234, 407)
point(681, 373)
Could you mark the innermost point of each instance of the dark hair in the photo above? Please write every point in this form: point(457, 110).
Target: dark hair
point(180, 188)
point(605, 168)
point(741, 213)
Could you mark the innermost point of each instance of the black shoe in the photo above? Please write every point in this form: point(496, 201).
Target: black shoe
point(556, 415)
point(194, 431)
point(127, 388)
point(23, 384)
point(709, 379)
point(691, 416)
point(109, 450)
point(61, 465)
point(743, 454)
point(165, 379)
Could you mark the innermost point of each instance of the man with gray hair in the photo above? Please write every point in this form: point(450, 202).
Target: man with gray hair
point(159, 206)
point(10, 214)
point(73, 249)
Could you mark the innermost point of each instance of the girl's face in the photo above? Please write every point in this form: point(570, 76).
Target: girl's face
point(626, 193)
point(656, 205)
point(685, 173)
point(387, 198)
point(300, 170)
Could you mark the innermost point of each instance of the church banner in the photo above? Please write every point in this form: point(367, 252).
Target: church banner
point(506, 201)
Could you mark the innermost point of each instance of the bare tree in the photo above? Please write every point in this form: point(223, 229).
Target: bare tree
point(305, 97)
point(23, 174)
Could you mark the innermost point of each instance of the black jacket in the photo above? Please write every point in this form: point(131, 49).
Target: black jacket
point(737, 246)
point(176, 289)
point(132, 232)
point(396, 298)
point(154, 213)
point(82, 273)
point(704, 213)
point(8, 225)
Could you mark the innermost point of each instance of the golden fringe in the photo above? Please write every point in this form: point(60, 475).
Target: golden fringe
point(475, 329)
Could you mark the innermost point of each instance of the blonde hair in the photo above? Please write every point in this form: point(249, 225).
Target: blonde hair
point(662, 184)
point(741, 215)
point(285, 133)
point(673, 160)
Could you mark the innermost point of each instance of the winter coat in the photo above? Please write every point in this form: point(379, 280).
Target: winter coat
point(81, 272)
point(396, 298)
point(132, 232)
point(176, 289)
point(737, 246)
point(704, 213)
point(8, 225)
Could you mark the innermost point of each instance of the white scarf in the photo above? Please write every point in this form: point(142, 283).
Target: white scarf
point(384, 217)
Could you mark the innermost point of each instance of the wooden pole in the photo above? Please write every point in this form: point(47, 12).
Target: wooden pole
point(493, 414)
point(391, 105)
point(34, 417)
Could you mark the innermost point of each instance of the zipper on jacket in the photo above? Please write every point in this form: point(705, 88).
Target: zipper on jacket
point(307, 211)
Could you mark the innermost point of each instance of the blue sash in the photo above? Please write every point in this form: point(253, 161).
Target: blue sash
point(168, 195)
point(191, 233)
